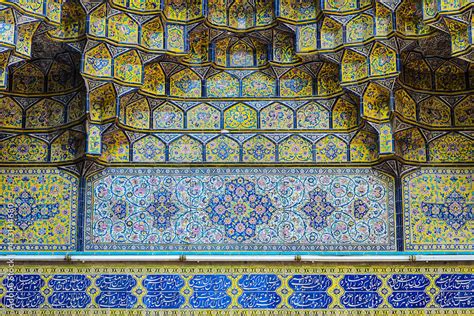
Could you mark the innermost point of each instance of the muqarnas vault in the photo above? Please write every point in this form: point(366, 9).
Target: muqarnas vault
point(238, 127)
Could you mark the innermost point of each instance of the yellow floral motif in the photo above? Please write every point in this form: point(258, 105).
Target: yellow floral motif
point(331, 149)
point(259, 149)
point(68, 146)
point(276, 116)
point(102, 102)
point(328, 80)
point(153, 35)
point(137, 114)
point(383, 61)
point(295, 148)
point(364, 147)
point(203, 116)
point(383, 20)
point(185, 149)
point(452, 148)
point(344, 114)
point(385, 139)
point(359, 29)
point(296, 83)
point(240, 116)
point(98, 62)
point(122, 29)
point(331, 34)
point(222, 85)
point(23, 148)
point(222, 149)
point(149, 149)
point(405, 105)
point(376, 102)
point(258, 84)
point(115, 147)
point(185, 83)
point(168, 116)
point(128, 68)
point(435, 112)
point(411, 145)
point(354, 67)
point(10, 113)
point(432, 221)
point(45, 113)
point(154, 80)
point(28, 79)
point(312, 116)
point(39, 208)
point(463, 112)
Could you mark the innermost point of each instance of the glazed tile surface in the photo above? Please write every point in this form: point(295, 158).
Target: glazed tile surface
point(240, 288)
point(231, 210)
point(38, 210)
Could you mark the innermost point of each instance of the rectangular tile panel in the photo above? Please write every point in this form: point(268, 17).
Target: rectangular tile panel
point(38, 209)
point(240, 210)
point(438, 209)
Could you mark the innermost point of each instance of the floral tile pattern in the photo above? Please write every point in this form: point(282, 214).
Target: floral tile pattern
point(38, 209)
point(220, 209)
point(438, 209)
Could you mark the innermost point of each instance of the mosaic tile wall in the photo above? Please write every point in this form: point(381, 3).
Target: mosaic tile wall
point(191, 288)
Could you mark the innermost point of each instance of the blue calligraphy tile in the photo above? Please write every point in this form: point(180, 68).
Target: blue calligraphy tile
point(215, 282)
point(309, 291)
point(23, 282)
point(115, 291)
point(360, 291)
point(259, 291)
point(259, 299)
point(69, 300)
point(116, 282)
point(408, 282)
point(163, 282)
point(163, 300)
point(23, 291)
point(455, 299)
point(259, 282)
point(409, 299)
point(455, 282)
point(116, 300)
point(69, 291)
point(361, 299)
point(69, 283)
point(210, 300)
point(163, 291)
point(23, 299)
point(362, 282)
point(408, 291)
point(309, 300)
point(209, 291)
point(310, 283)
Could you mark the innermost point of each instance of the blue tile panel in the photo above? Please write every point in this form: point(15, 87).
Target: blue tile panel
point(163, 291)
point(242, 291)
point(409, 291)
point(239, 210)
point(455, 291)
